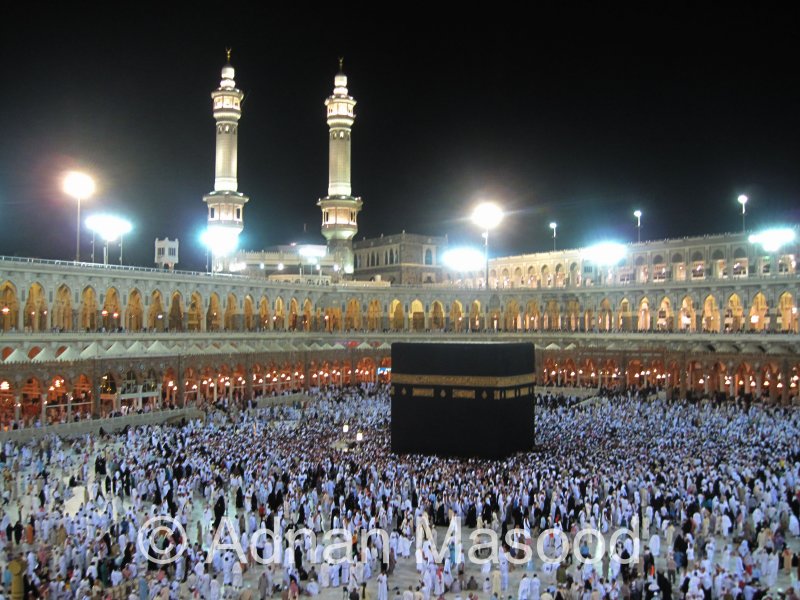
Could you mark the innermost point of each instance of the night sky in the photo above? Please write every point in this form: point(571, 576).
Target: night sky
point(577, 118)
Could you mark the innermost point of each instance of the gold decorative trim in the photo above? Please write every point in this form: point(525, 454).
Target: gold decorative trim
point(464, 380)
point(423, 392)
point(469, 394)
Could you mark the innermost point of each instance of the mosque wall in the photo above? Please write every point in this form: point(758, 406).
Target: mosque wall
point(88, 339)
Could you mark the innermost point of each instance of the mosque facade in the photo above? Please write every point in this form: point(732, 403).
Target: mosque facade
point(701, 315)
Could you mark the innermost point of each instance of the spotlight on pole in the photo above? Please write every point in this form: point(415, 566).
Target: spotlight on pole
point(743, 201)
point(110, 228)
point(487, 215)
point(81, 187)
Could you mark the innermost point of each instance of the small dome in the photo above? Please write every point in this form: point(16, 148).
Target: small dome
point(228, 72)
point(340, 80)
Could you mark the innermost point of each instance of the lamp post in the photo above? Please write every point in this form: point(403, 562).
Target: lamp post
point(110, 228)
point(80, 186)
point(743, 201)
point(488, 216)
point(554, 226)
point(638, 215)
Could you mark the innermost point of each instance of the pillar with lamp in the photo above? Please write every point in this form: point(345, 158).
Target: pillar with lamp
point(79, 186)
point(487, 215)
point(110, 228)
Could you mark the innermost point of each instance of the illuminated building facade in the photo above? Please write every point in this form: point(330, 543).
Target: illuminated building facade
point(691, 322)
point(404, 258)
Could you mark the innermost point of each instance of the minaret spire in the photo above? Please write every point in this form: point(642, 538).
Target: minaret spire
point(340, 208)
point(225, 203)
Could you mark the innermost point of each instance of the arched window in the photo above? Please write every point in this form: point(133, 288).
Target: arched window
point(428, 257)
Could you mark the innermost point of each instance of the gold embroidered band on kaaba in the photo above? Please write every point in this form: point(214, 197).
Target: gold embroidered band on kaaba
point(478, 381)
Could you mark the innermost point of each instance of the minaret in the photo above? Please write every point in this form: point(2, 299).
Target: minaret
point(339, 207)
point(225, 203)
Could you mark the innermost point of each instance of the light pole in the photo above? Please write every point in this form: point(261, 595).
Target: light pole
point(638, 215)
point(110, 228)
point(488, 216)
point(80, 186)
point(554, 226)
point(743, 201)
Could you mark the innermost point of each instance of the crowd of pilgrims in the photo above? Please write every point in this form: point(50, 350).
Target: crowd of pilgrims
point(714, 490)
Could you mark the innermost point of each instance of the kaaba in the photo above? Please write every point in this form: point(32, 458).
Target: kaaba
point(468, 400)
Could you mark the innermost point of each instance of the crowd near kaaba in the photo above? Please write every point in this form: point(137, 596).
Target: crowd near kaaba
point(711, 490)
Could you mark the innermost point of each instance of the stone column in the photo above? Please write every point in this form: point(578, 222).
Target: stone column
point(786, 380)
point(682, 376)
point(180, 391)
point(95, 396)
point(248, 383)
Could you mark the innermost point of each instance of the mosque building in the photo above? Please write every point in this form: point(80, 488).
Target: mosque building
point(705, 315)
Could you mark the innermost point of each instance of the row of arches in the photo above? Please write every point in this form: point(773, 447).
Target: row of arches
point(700, 377)
point(61, 398)
point(132, 311)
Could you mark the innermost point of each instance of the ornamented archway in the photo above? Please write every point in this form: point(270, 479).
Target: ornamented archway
point(474, 315)
point(195, 313)
point(711, 320)
point(155, 315)
point(759, 320)
point(294, 315)
point(787, 313)
point(214, 313)
point(35, 315)
point(352, 316)
point(533, 320)
point(176, 312)
point(625, 321)
point(374, 315)
point(573, 315)
point(666, 319)
point(734, 314)
point(134, 313)
point(644, 315)
point(457, 317)
point(111, 313)
point(9, 306)
point(308, 314)
point(511, 316)
point(62, 309)
point(417, 316)
point(88, 309)
point(232, 313)
point(249, 314)
point(398, 317)
point(263, 313)
point(688, 321)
